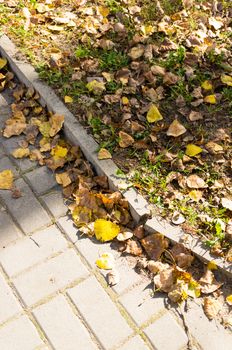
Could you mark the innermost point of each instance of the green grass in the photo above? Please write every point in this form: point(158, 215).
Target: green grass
point(113, 60)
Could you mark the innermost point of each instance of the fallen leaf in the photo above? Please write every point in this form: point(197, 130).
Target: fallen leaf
point(56, 122)
point(226, 203)
point(125, 140)
point(63, 179)
point(170, 78)
point(194, 181)
point(153, 114)
point(105, 230)
point(16, 193)
point(212, 265)
point(133, 247)
point(68, 99)
point(125, 100)
point(215, 23)
point(177, 218)
point(105, 262)
point(136, 52)
point(154, 245)
point(229, 299)
point(21, 153)
point(226, 79)
point(176, 129)
point(96, 87)
point(213, 147)
point(208, 282)
point(165, 280)
point(104, 154)
point(207, 85)
point(182, 256)
point(124, 236)
point(211, 307)
point(113, 277)
point(3, 62)
point(192, 150)
point(59, 152)
point(6, 179)
point(81, 215)
point(15, 125)
point(210, 99)
point(156, 266)
point(195, 195)
point(193, 116)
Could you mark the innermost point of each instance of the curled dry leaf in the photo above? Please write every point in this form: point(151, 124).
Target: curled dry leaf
point(105, 261)
point(15, 125)
point(104, 154)
point(56, 123)
point(154, 245)
point(170, 78)
point(156, 266)
point(6, 179)
point(176, 129)
point(208, 283)
point(213, 147)
point(21, 153)
point(153, 114)
point(105, 230)
point(125, 139)
point(139, 232)
point(133, 247)
point(63, 179)
point(124, 236)
point(211, 307)
point(226, 203)
point(182, 255)
point(194, 181)
point(165, 280)
point(113, 277)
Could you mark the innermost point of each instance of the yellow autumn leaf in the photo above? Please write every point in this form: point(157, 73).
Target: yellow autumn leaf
point(3, 62)
point(105, 230)
point(192, 150)
point(125, 100)
point(207, 85)
point(210, 99)
point(44, 129)
point(96, 87)
point(212, 265)
point(229, 299)
point(105, 262)
point(56, 122)
point(104, 154)
point(195, 195)
point(21, 153)
point(226, 79)
point(104, 11)
point(153, 115)
point(6, 179)
point(59, 152)
point(68, 99)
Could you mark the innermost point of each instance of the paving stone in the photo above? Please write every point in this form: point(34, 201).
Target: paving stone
point(165, 334)
point(69, 334)
point(210, 334)
point(19, 334)
point(8, 231)
point(10, 145)
point(50, 276)
point(55, 203)
point(90, 249)
point(29, 251)
point(2, 153)
point(41, 179)
point(100, 313)
point(140, 303)
point(6, 164)
point(135, 343)
point(9, 306)
point(26, 210)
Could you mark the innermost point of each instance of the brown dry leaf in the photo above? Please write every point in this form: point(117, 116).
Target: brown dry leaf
point(213, 147)
point(155, 245)
point(113, 277)
point(133, 247)
point(6, 179)
point(35, 154)
point(193, 116)
point(194, 181)
point(104, 154)
point(170, 78)
point(63, 179)
point(157, 266)
point(211, 307)
point(182, 256)
point(176, 129)
point(124, 236)
point(165, 280)
point(136, 52)
point(15, 125)
point(21, 153)
point(139, 232)
point(208, 282)
point(56, 122)
point(125, 140)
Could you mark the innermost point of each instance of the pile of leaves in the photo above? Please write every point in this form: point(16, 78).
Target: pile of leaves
point(152, 81)
point(99, 212)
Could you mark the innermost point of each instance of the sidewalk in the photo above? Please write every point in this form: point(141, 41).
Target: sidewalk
point(52, 296)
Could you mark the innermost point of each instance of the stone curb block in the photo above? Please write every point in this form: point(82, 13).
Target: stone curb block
point(76, 134)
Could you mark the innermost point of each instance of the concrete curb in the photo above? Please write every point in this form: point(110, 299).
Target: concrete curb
point(76, 134)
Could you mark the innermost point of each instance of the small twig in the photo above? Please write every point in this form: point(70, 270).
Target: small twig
point(190, 345)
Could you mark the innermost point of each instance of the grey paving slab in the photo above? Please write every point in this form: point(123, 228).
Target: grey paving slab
point(26, 210)
point(91, 249)
point(13, 143)
point(165, 334)
point(9, 305)
point(209, 334)
point(19, 334)
point(6, 164)
point(2, 152)
point(50, 276)
point(8, 230)
point(141, 304)
point(100, 313)
point(29, 251)
point(41, 179)
point(63, 328)
point(54, 202)
point(135, 343)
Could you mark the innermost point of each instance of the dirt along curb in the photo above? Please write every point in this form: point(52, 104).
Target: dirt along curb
point(76, 134)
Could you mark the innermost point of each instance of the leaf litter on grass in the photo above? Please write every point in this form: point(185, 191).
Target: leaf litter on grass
point(156, 101)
